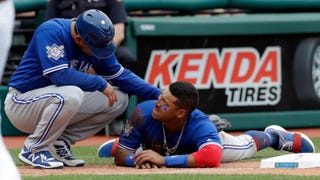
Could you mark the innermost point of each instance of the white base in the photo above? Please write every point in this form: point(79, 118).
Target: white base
point(297, 160)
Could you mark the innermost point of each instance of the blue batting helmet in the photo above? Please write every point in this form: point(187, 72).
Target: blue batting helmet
point(97, 31)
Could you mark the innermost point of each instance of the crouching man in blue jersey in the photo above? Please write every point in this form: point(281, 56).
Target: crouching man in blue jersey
point(53, 97)
point(171, 132)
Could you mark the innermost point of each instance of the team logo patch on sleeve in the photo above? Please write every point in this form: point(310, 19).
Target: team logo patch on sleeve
point(54, 51)
point(127, 129)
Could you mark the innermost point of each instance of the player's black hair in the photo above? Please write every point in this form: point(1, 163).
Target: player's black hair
point(187, 95)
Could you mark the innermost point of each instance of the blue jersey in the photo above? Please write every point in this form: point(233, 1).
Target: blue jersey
point(146, 131)
point(52, 57)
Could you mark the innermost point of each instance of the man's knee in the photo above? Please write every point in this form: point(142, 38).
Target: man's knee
point(73, 96)
point(123, 100)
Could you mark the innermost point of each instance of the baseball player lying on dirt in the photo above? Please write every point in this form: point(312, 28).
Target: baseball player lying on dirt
point(171, 132)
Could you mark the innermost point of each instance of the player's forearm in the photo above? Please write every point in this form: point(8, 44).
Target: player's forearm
point(119, 35)
point(123, 158)
point(86, 82)
point(208, 156)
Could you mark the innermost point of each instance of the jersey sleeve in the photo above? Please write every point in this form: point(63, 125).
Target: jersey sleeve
point(116, 11)
point(50, 50)
point(132, 136)
point(127, 81)
point(52, 53)
point(205, 133)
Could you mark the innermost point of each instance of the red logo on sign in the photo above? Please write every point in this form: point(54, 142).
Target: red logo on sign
point(236, 68)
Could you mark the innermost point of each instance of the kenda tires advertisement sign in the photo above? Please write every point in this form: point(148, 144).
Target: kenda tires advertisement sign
point(247, 78)
point(237, 74)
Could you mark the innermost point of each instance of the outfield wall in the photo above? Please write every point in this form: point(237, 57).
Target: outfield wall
point(194, 39)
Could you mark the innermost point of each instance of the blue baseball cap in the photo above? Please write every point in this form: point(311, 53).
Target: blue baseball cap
point(97, 31)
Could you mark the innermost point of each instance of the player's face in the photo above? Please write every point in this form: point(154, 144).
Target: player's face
point(87, 51)
point(165, 109)
point(84, 48)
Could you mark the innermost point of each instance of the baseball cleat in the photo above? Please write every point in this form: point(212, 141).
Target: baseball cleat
point(62, 152)
point(291, 141)
point(108, 148)
point(41, 159)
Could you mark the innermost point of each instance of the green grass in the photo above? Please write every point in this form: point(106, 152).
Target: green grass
point(89, 154)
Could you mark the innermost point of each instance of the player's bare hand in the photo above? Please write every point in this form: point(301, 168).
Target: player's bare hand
point(91, 71)
point(148, 159)
point(146, 166)
point(111, 95)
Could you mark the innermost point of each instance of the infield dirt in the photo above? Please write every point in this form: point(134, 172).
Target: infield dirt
point(226, 168)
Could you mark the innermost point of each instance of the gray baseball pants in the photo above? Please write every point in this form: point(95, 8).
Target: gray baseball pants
point(64, 112)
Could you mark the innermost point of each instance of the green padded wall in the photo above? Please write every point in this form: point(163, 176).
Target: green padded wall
point(186, 5)
point(268, 5)
point(253, 24)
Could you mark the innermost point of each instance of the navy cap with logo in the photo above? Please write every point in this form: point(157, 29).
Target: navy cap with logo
point(97, 31)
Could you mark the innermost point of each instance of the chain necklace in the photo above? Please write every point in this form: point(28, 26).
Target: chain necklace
point(165, 145)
